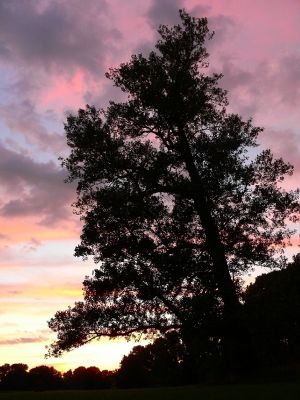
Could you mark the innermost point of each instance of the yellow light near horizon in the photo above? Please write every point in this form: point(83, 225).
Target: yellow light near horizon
point(104, 354)
point(24, 334)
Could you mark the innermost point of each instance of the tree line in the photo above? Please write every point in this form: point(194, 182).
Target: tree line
point(19, 377)
point(271, 306)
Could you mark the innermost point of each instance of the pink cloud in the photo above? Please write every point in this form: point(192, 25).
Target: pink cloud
point(65, 92)
point(23, 340)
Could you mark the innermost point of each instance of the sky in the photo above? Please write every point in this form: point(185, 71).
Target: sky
point(53, 57)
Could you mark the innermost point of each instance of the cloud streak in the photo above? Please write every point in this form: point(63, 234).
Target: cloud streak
point(23, 340)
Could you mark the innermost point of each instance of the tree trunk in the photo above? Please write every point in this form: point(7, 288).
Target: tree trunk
point(237, 344)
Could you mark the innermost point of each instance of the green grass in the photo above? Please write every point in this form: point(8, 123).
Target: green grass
point(283, 391)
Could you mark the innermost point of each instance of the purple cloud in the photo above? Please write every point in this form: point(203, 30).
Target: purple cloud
point(25, 120)
point(33, 188)
point(56, 35)
point(164, 12)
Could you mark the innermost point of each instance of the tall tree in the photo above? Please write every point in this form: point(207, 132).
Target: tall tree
point(173, 206)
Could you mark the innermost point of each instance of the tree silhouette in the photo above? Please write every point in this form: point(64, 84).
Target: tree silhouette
point(272, 305)
point(44, 378)
point(87, 378)
point(17, 377)
point(163, 362)
point(173, 206)
point(14, 376)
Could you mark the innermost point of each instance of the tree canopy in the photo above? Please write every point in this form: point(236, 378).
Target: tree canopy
point(174, 206)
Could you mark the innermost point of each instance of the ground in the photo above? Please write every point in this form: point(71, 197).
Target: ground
point(278, 391)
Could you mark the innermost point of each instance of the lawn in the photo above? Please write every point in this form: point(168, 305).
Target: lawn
point(284, 391)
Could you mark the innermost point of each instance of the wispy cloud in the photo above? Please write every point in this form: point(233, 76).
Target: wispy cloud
point(23, 340)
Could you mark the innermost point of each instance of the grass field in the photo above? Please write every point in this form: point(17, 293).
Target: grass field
point(284, 391)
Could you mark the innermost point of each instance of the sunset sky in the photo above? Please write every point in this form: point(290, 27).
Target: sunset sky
point(53, 56)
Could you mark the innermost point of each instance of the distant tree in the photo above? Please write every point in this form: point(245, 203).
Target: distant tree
point(79, 378)
point(172, 205)
point(44, 378)
point(17, 377)
point(14, 376)
point(4, 370)
point(135, 370)
point(68, 379)
point(158, 363)
point(108, 379)
point(272, 305)
point(94, 378)
point(87, 378)
point(169, 361)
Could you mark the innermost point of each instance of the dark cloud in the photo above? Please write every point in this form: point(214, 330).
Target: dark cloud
point(33, 188)
point(164, 12)
point(56, 34)
point(41, 40)
point(159, 13)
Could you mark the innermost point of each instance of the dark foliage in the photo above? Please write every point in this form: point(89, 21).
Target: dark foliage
point(157, 364)
point(44, 378)
point(272, 307)
point(14, 376)
point(17, 377)
point(168, 361)
point(173, 207)
point(88, 378)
